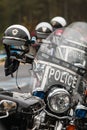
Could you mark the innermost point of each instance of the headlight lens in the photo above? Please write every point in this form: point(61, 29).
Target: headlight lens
point(58, 100)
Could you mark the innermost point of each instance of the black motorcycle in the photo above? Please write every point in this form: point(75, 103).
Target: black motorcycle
point(20, 111)
point(59, 71)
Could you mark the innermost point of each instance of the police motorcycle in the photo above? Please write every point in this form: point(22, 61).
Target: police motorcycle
point(18, 111)
point(60, 71)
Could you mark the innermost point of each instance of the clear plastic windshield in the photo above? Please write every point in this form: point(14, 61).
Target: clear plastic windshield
point(70, 47)
point(61, 56)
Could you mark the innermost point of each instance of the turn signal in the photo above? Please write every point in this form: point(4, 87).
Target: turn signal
point(71, 127)
point(85, 92)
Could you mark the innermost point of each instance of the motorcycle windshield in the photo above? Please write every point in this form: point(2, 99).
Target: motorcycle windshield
point(62, 57)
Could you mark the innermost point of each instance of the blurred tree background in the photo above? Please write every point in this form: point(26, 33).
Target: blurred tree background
point(30, 12)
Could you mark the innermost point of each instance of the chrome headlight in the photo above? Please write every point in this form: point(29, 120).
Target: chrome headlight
point(58, 100)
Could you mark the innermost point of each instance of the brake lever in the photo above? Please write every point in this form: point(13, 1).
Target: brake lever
point(26, 59)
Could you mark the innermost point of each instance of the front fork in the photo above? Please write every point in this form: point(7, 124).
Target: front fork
point(58, 125)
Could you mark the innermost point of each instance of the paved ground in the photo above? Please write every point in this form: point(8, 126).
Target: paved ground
point(24, 79)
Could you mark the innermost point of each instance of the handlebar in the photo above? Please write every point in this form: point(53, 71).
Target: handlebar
point(4, 116)
point(26, 59)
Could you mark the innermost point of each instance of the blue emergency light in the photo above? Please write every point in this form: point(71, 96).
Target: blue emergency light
point(80, 113)
point(39, 94)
